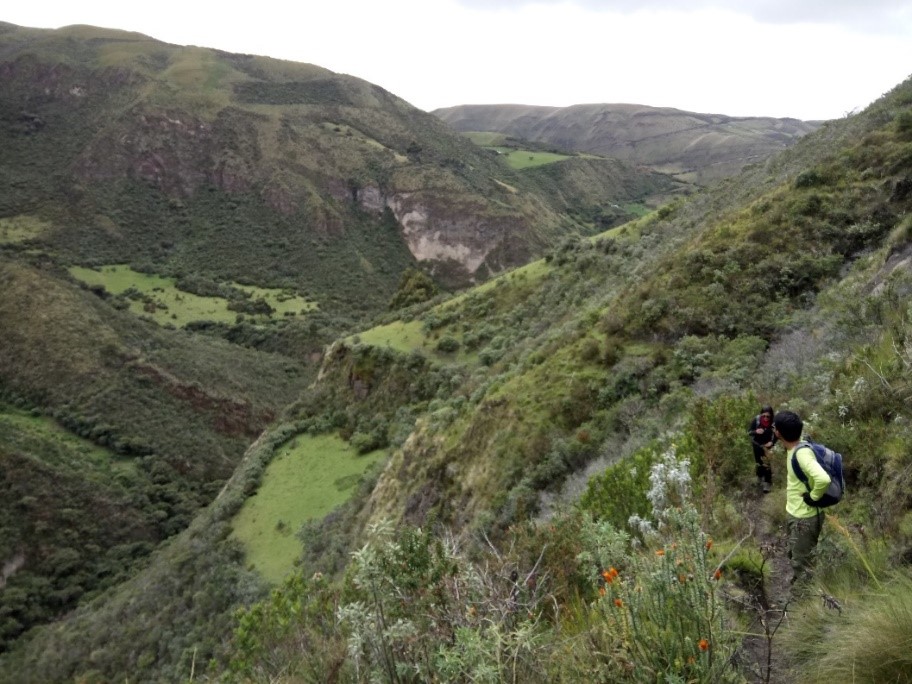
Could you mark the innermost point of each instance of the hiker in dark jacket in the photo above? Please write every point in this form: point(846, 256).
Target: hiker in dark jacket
point(762, 440)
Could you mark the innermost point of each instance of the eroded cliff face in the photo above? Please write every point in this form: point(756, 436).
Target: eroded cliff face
point(468, 238)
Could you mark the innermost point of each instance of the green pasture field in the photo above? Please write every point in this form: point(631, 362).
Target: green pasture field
point(42, 437)
point(401, 336)
point(307, 479)
point(283, 302)
point(20, 228)
point(517, 159)
point(408, 337)
point(171, 305)
point(527, 159)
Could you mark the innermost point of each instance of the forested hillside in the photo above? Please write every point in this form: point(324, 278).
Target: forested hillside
point(531, 420)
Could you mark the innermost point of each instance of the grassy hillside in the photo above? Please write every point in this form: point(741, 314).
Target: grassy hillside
point(115, 434)
point(121, 149)
point(697, 148)
point(308, 478)
point(181, 231)
point(788, 285)
point(607, 358)
point(524, 421)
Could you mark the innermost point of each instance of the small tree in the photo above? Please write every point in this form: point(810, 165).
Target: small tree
point(414, 287)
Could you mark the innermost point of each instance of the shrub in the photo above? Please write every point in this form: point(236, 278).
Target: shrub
point(810, 179)
point(448, 345)
point(658, 615)
point(420, 612)
point(294, 632)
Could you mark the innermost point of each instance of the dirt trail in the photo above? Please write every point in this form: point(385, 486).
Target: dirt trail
point(767, 601)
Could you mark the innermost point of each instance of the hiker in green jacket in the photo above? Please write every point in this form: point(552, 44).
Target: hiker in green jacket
point(804, 520)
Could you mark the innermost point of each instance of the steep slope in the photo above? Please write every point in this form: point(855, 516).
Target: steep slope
point(498, 401)
point(226, 179)
point(699, 148)
point(113, 434)
point(188, 160)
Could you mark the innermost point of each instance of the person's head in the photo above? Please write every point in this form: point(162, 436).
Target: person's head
point(788, 426)
point(766, 416)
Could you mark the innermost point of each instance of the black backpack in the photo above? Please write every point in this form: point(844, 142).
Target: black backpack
point(831, 462)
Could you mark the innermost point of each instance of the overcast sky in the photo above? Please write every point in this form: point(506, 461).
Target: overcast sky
point(808, 59)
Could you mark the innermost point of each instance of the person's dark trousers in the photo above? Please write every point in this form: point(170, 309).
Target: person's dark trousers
point(764, 472)
point(803, 535)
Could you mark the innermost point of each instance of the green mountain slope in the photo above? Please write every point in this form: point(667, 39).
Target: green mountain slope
point(152, 192)
point(699, 148)
point(115, 433)
point(241, 168)
point(788, 284)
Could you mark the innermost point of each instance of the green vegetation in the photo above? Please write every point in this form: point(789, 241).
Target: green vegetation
point(699, 148)
point(308, 478)
point(403, 337)
point(412, 602)
point(161, 300)
point(22, 430)
point(513, 151)
point(568, 495)
point(660, 338)
point(21, 228)
point(75, 497)
point(526, 159)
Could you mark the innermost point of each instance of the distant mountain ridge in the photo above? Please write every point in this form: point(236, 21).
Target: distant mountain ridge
point(698, 148)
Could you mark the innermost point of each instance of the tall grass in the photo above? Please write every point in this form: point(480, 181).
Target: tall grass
point(870, 640)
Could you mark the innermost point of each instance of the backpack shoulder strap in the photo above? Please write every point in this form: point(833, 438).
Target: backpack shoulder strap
point(799, 473)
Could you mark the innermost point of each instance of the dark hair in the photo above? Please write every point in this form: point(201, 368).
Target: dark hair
point(789, 425)
point(767, 409)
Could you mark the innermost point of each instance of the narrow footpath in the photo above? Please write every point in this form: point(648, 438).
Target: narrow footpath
point(762, 652)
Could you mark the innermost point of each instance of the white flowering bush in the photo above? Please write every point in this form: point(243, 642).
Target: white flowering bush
point(423, 612)
point(658, 615)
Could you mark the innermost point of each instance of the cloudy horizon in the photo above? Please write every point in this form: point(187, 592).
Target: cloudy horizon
point(808, 60)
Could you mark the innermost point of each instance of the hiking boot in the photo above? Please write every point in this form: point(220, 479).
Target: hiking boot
point(767, 487)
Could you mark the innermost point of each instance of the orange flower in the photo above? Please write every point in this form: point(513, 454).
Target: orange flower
point(717, 574)
point(660, 552)
point(618, 603)
point(709, 544)
point(601, 591)
point(703, 644)
point(614, 572)
point(606, 575)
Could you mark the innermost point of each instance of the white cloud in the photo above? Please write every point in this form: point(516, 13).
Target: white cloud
point(878, 16)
